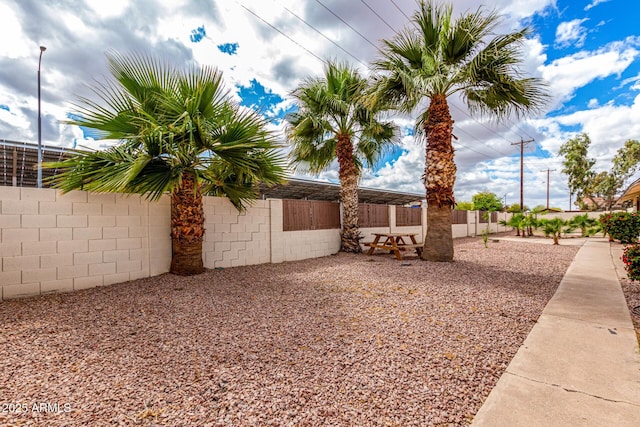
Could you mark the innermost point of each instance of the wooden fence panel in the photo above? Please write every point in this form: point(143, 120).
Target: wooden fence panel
point(459, 217)
point(483, 217)
point(309, 215)
point(324, 215)
point(494, 217)
point(373, 215)
point(406, 216)
point(296, 215)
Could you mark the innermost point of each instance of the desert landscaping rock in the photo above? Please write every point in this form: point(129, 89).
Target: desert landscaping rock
point(339, 341)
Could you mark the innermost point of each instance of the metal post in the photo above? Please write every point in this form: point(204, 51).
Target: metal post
point(548, 170)
point(521, 143)
point(42, 49)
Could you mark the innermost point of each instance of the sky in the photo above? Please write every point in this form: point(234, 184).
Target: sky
point(588, 51)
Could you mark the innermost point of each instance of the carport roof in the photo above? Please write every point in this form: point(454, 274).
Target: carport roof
point(297, 188)
point(18, 161)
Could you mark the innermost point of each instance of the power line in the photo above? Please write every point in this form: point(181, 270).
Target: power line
point(522, 143)
point(401, 11)
point(548, 172)
point(278, 30)
point(325, 37)
point(347, 24)
point(484, 154)
point(376, 47)
point(483, 125)
point(372, 44)
point(376, 13)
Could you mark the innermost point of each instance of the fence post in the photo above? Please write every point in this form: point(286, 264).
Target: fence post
point(392, 218)
point(424, 222)
point(276, 235)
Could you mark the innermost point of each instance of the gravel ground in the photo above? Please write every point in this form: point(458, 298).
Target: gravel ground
point(344, 340)
point(631, 291)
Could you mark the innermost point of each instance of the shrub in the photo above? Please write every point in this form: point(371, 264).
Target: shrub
point(631, 260)
point(622, 226)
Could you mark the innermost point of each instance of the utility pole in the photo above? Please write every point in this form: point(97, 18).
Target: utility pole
point(521, 144)
point(548, 170)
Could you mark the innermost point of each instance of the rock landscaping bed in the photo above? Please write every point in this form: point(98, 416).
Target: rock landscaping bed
point(342, 340)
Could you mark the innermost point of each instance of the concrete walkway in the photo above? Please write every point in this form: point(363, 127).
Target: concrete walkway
point(580, 364)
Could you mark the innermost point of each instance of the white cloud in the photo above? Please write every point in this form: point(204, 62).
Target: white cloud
point(608, 126)
point(569, 73)
point(594, 3)
point(77, 37)
point(593, 103)
point(108, 9)
point(571, 32)
point(635, 82)
point(12, 46)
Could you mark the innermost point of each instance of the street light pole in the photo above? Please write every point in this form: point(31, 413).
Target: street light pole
point(42, 49)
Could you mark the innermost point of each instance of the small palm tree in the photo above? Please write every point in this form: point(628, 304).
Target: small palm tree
point(555, 227)
point(181, 134)
point(588, 226)
point(438, 57)
point(335, 121)
point(517, 221)
point(531, 222)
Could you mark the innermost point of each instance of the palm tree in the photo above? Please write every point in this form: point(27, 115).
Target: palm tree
point(180, 133)
point(517, 221)
point(588, 226)
point(335, 121)
point(555, 227)
point(437, 57)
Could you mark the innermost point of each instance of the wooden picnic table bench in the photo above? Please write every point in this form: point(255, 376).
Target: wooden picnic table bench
point(395, 243)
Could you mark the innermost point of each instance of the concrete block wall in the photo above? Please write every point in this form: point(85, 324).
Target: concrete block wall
point(50, 242)
point(159, 236)
point(459, 230)
point(298, 245)
point(234, 238)
point(569, 215)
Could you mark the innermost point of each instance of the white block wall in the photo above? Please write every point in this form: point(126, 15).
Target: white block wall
point(235, 238)
point(298, 245)
point(51, 242)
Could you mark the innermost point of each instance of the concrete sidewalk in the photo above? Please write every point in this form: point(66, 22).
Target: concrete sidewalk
point(580, 364)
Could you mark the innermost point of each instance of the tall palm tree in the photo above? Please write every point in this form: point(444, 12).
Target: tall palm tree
point(437, 57)
point(334, 121)
point(179, 133)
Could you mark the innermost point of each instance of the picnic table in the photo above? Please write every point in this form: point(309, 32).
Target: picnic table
point(394, 243)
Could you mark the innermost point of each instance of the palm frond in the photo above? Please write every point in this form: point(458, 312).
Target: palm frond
point(170, 121)
point(340, 104)
point(437, 55)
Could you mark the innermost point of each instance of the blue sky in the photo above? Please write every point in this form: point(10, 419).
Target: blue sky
point(588, 51)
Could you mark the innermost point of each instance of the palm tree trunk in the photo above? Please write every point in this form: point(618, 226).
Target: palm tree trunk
point(439, 179)
point(187, 228)
point(348, 173)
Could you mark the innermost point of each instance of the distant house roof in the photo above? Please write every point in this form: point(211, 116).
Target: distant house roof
point(632, 191)
point(598, 202)
point(18, 162)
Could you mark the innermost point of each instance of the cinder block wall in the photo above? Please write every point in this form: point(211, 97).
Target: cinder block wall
point(297, 245)
point(235, 238)
point(51, 242)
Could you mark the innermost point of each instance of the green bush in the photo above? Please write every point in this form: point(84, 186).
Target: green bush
point(631, 260)
point(622, 226)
